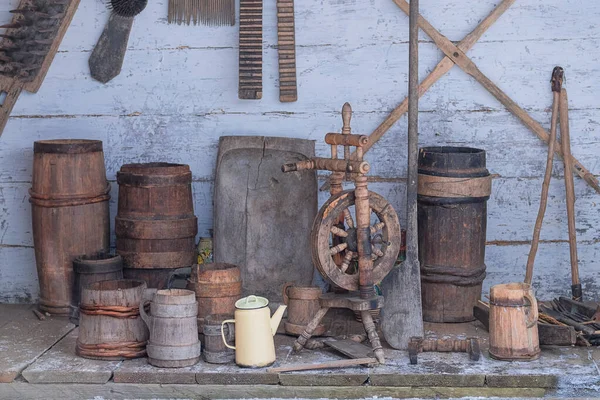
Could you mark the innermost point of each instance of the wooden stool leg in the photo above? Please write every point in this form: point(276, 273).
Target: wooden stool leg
point(369, 325)
point(310, 328)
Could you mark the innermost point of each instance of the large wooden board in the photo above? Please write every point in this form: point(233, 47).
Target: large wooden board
point(262, 217)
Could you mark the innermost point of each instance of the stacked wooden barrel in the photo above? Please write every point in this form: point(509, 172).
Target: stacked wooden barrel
point(453, 188)
point(155, 224)
point(70, 217)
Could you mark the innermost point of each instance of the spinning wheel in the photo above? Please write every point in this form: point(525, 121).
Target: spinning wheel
point(330, 237)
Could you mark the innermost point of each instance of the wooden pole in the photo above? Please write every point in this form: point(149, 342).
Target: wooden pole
point(468, 66)
point(565, 140)
point(557, 79)
point(328, 364)
point(402, 313)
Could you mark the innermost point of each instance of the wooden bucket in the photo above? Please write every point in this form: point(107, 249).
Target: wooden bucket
point(513, 322)
point(69, 207)
point(93, 268)
point(453, 188)
point(173, 329)
point(303, 304)
point(110, 326)
point(215, 351)
point(217, 286)
point(155, 224)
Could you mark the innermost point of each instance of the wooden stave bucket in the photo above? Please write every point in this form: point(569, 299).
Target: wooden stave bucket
point(69, 200)
point(302, 305)
point(452, 273)
point(93, 268)
point(155, 237)
point(215, 351)
point(217, 286)
point(173, 329)
point(513, 305)
point(121, 337)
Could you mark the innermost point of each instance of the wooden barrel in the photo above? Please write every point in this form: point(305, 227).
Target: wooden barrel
point(217, 286)
point(302, 305)
point(453, 188)
point(513, 322)
point(69, 207)
point(155, 224)
point(215, 351)
point(173, 329)
point(110, 326)
point(93, 268)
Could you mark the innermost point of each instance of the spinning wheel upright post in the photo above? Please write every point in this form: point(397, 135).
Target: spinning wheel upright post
point(352, 256)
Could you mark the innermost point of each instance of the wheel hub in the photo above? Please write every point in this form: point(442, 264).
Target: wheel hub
point(351, 240)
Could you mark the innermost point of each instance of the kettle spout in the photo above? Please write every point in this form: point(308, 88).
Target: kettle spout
point(276, 319)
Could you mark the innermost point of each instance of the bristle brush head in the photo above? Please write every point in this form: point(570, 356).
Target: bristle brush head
point(127, 8)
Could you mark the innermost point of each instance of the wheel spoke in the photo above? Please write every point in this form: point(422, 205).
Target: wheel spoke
point(348, 218)
point(378, 226)
point(336, 249)
point(347, 259)
point(339, 232)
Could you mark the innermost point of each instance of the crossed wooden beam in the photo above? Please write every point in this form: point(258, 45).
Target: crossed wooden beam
point(455, 55)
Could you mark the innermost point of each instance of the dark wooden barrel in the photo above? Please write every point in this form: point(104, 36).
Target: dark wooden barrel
point(111, 327)
point(453, 188)
point(155, 224)
point(173, 329)
point(217, 286)
point(302, 305)
point(215, 351)
point(69, 206)
point(93, 268)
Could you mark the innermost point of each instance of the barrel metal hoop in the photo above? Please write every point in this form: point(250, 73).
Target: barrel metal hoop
point(443, 186)
point(453, 275)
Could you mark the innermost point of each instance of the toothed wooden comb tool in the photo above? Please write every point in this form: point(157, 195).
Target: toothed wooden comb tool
point(28, 46)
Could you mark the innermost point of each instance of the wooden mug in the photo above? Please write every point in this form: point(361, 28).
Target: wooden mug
point(303, 304)
point(513, 322)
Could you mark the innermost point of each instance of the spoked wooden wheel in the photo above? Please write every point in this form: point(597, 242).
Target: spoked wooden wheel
point(334, 243)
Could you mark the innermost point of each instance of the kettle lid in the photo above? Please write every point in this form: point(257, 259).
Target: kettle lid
point(251, 302)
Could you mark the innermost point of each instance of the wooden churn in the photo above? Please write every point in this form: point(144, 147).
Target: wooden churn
point(215, 351)
point(303, 304)
point(217, 286)
point(513, 322)
point(69, 208)
point(110, 325)
point(453, 188)
point(173, 329)
point(93, 268)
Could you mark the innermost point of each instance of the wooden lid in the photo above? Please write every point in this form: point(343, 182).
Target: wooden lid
point(67, 146)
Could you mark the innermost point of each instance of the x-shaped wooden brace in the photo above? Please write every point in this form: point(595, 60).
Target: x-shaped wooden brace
point(456, 55)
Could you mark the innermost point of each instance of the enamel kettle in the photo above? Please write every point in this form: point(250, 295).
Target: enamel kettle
point(254, 331)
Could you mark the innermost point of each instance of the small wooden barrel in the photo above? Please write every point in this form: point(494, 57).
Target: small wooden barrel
point(173, 329)
point(70, 217)
point(215, 351)
point(110, 326)
point(513, 322)
point(217, 286)
point(453, 188)
point(155, 224)
point(303, 304)
point(93, 268)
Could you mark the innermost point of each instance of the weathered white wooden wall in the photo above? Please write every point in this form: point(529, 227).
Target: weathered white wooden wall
point(177, 94)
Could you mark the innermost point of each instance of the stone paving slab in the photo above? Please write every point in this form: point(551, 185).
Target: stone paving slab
point(323, 379)
point(24, 339)
point(60, 364)
point(139, 371)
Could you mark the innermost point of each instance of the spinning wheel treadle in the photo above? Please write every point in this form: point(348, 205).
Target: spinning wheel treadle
point(326, 229)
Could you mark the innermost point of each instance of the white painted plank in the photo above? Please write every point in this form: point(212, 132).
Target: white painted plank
point(18, 275)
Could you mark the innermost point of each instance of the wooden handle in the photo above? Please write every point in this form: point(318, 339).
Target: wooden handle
point(346, 117)
point(13, 91)
point(286, 286)
point(569, 184)
point(330, 364)
point(556, 81)
point(107, 58)
point(533, 314)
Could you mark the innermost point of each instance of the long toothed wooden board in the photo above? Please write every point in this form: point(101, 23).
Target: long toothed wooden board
point(250, 72)
point(286, 41)
point(13, 86)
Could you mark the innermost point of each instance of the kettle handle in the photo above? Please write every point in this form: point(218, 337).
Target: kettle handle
point(227, 321)
point(286, 286)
